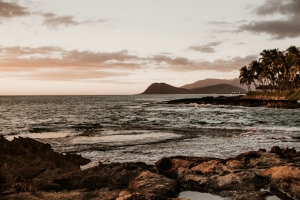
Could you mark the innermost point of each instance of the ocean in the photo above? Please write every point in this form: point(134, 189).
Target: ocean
point(144, 128)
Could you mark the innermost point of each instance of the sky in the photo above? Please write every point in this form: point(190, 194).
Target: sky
point(120, 47)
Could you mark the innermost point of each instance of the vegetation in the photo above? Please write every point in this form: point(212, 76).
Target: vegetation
point(286, 94)
point(274, 71)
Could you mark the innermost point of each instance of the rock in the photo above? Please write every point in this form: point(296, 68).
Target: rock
point(164, 164)
point(24, 159)
point(177, 163)
point(289, 153)
point(114, 175)
point(285, 179)
point(256, 195)
point(239, 101)
point(151, 183)
point(235, 164)
point(212, 166)
point(34, 171)
point(103, 194)
point(276, 150)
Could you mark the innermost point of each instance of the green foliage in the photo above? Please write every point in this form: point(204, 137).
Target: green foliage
point(278, 70)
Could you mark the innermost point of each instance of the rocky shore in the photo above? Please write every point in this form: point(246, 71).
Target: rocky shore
point(240, 101)
point(32, 170)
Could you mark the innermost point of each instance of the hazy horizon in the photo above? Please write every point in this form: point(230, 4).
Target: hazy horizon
point(102, 47)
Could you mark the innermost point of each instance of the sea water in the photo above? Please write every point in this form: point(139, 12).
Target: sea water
point(144, 128)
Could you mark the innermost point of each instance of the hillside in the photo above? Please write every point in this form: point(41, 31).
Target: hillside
point(218, 89)
point(163, 88)
point(210, 82)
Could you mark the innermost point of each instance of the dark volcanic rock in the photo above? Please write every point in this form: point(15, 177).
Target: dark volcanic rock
point(32, 170)
point(241, 177)
point(238, 101)
point(24, 159)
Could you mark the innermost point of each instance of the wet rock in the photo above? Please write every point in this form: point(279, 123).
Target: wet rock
point(212, 166)
point(234, 164)
point(35, 171)
point(114, 175)
point(151, 183)
point(256, 195)
point(285, 179)
point(277, 150)
point(164, 164)
point(289, 153)
point(103, 194)
point(239, 101)
point(24, 159)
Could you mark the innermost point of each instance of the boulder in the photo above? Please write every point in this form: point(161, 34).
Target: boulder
point(24, 159)
point(151, 183)
point(285, 179)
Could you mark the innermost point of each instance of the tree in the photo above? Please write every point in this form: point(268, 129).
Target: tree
point(276, 69)
point(245, 77)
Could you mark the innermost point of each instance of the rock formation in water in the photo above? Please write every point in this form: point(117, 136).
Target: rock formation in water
point(32, 170)
point(239, 101)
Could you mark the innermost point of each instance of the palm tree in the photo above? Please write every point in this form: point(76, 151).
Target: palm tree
point(255, 71)
point(244, 77)
point(293, 59)
point(277, 69)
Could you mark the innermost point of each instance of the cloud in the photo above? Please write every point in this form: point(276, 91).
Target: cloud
point(10, 10)
point(54, 62)
point(67, 75)
point(278, 29)
point(207, 48)
point(286, 27)
point(216, 65)
point(289, 7)
point(219, 23)
point(170, 61)
point(53, 21)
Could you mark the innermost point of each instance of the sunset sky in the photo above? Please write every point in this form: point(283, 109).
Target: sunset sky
point(99, 47)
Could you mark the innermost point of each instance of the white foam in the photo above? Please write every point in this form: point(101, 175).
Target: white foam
point(47, 135)
point(123, 138)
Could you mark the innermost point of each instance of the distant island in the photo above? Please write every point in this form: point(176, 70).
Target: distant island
point(207, 86)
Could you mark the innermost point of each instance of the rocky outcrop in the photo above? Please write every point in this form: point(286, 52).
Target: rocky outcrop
point(251, 175)
point(239, 101)
point(242, 177)
point(25, 159)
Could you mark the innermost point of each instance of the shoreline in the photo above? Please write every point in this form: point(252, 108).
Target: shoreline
point(239, 101)
point(32, 170)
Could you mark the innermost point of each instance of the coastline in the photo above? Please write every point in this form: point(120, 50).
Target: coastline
point(239, 101)
point(32, 170)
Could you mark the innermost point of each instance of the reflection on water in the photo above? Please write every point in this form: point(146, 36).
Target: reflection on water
point(199, 196)
point(272, 198)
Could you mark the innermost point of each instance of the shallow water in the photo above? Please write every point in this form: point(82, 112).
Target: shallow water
point(199, 196)
point(142, 128)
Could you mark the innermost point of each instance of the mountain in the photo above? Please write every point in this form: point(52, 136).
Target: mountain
point(163, 88)
point(218, 89)
point(210, 82)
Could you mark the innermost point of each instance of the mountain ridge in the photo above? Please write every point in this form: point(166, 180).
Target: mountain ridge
point(163, 88)
point(212, 81)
